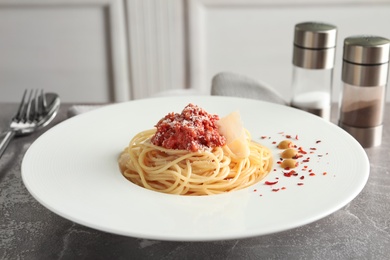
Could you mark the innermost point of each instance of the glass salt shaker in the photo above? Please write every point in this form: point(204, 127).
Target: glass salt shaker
point(363, 97)
point(313, 60)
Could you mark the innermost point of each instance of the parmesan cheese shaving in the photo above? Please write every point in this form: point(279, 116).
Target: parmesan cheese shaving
point(232, 129)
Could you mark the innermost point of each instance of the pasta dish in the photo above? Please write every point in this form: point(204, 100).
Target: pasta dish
point(195, 153)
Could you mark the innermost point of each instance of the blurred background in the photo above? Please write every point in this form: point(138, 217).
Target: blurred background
point(92, 51)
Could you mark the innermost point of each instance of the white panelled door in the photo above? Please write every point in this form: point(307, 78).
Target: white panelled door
point(75, 48)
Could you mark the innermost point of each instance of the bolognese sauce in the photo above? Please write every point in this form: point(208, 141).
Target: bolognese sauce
point(193, 129)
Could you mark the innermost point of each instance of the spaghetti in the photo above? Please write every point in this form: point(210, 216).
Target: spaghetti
point(201, 166)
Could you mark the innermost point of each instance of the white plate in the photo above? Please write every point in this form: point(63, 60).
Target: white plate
point(72, 170)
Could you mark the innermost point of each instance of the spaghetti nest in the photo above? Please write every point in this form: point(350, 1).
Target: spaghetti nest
point(192, 173)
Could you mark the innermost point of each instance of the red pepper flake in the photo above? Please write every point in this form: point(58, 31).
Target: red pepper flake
point(273, 142)
point(299, 183)
point(296, 137)
point(302, 177)
point(270, 182)
point(290, 173)
point(254, 190)
point(305, 166)
point(312, 174)
point(318, 141)
point(288, 136)
point(279, 162)
point(313, 149)
point(275, 190)
point(324, 173)
point(306, 160)
point(263, 137)
point(283, 188)
point(300, 150)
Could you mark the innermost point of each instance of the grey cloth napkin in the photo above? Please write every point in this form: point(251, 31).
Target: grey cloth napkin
point(236, 85)
point(79, 109)
point(222, 84)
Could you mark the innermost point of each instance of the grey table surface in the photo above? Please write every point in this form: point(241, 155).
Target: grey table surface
point(360, 230)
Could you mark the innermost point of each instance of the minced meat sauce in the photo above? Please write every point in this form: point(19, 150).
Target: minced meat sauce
point(194, 129)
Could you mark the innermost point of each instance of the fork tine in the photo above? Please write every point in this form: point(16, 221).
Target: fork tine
point(27, 115)
point(18, 115)
point(34, 114)
point(36, 102)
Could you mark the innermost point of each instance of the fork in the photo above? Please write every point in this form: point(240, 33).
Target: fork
point(31, 109)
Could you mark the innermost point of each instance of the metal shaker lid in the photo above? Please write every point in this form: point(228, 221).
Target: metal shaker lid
point(314, 45)
point(365, 60)
point(366, 49)
point(315, 35)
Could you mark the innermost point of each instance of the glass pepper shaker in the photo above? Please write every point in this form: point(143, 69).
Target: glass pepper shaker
point(363, 97)
point(313, 60)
